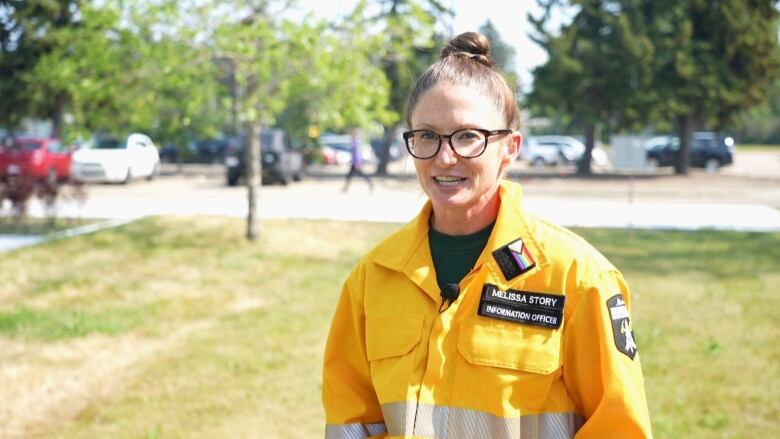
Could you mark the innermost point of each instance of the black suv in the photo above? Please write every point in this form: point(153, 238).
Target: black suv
point(708, 150)
point(281, 161)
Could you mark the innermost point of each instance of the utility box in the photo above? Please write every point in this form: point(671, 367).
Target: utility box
point(629, 152)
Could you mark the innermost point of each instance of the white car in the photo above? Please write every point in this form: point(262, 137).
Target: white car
point(557, 150)
point(538, 154)
point(111, 160)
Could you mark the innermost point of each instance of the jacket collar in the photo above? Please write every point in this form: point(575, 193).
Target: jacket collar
point(408, 251)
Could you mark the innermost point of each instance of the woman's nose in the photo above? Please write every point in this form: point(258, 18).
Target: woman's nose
point(446, 155)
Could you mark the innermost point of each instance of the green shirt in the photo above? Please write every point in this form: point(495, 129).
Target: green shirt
point(455, 255)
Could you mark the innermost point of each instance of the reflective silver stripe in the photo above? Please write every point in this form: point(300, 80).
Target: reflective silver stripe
point(399, 417)
point(375, 429)
point(353, 431)
point(441, 422)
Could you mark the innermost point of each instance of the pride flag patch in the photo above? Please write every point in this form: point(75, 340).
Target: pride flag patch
point(514, 259)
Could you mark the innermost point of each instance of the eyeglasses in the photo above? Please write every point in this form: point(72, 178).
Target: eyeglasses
point(468, 143)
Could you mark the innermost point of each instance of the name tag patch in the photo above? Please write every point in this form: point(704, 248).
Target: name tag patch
point(621, 326)
point(537, 309)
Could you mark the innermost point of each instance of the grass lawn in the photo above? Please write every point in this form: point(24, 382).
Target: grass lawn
point(758, 148)
point(176, 327)
point(38, 226)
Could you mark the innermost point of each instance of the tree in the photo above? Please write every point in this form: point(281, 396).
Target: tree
point(598, 67)
point(408, 45)
point(346, 89)
point(26, 34)
point(713, 60)
point(283, 67)
point(112, 67)
point(760, 124)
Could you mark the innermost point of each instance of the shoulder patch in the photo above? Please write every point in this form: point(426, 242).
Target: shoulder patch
point(621, 326)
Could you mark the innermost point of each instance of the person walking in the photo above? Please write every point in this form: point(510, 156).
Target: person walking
point(478, 319)
point(356, 164)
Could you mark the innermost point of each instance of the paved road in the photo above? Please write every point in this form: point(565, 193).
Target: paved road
point(723, 201)
point(745, 196)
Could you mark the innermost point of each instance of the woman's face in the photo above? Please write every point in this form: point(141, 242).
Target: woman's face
point(450, 181)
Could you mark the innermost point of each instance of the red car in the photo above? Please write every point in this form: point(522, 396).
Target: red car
point(39, 157)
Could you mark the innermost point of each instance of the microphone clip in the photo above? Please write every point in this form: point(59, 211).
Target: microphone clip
point(449, 294)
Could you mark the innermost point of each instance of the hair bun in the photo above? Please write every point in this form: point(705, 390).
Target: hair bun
point(471, 45)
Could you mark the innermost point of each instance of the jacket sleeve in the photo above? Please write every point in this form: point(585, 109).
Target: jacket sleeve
point(352, 410)
point(601, 365)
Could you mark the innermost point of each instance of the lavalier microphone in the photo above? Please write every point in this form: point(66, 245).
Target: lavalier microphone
point(449, 294)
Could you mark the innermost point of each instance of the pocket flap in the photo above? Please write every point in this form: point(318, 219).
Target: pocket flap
point(392, 336)
point(510, 346)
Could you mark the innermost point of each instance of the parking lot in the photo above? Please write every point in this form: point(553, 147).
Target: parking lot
point(743, 194)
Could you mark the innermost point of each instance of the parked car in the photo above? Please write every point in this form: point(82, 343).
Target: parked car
point(657, 141)
point(559, 150)
point(116, 160)
point(281, 161)
point(215, 150)
point(336, 150)
point(709, 150)
point(540, 154)
point(43, 158)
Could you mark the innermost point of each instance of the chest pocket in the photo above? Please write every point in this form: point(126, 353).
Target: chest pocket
point(506, 367)
point(391, 344)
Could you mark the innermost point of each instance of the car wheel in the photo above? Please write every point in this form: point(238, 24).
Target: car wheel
point(712, 165)
point(537, 162)
point(298, 175)
point(155, 172)
point(128, 176)
point(283, 176)
point(232, 179)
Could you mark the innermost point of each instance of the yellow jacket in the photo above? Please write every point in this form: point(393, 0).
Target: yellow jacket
point(537, 345)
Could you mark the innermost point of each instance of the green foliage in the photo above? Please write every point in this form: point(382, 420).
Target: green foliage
point(598, 67)
point(760, 124)
point(340, 85)
point(714, 58)
point(407, 44)
point(182, 70)
point(628, 63)
point(27, 32)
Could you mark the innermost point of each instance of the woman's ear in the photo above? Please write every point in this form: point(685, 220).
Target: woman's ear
point(511, 148)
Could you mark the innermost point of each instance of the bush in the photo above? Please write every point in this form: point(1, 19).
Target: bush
point(17, 191)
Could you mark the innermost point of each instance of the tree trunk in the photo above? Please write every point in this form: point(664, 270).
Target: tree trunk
point(57, 116)
point(684, 131)
point(583, 166)
point(384, 151)
point(253, 172)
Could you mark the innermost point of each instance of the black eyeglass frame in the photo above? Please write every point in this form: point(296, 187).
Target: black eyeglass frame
point(487, 133)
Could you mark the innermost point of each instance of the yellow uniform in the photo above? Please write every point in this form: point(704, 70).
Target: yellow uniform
point(538, 343)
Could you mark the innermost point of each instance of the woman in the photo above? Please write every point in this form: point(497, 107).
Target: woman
point(477, 319)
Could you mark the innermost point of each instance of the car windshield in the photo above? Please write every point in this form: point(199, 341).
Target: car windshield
point(108, 144)
point(266, 140)
point(25, 145)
